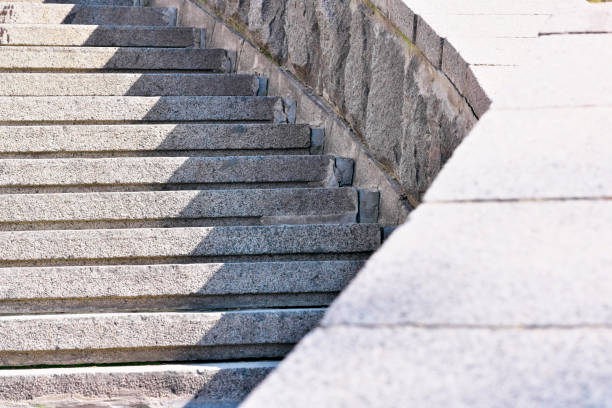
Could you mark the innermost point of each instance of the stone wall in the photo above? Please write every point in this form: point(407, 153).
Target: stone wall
point(353, 73)
point(407, 113)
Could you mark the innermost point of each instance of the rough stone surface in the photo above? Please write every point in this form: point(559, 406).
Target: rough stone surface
point(209, 279)
point(165, 170)
point(57, 333)
point(26, 13)
point(98, 36)
point(109, 58)
point(75, 387)
point(186, 242)
point(143, 137)
point(354, 59)
point(267, 205)
point(133, 108)
point(124, 84)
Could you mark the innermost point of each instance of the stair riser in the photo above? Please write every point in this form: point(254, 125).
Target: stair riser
point(112, 58)
point(25, 13)
point(36, 84)
point(98, 36)
point(44, 246)
point(227, 382)
point(173, 287)
point(188, 208)
point(149, 138)
point(134, 108)
point(146, 355)
point(117, 338)
point(167, 303)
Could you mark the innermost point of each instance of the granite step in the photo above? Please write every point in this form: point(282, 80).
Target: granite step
point(171, 245)
point(204, 286)
point(112, 59)
point(191, 208)
point(155, 173)
point(98, 36)
point(119, 3)
point(127, 84)
point(219, 385)
point(68, 339)
point(37, 13)
point(117, 109)
point(153, 140)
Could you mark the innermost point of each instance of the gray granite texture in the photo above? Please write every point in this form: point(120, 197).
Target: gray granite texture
point(111, 58)
point(407, 114)
point(134, 108)
point(180, 137)
point(128, 84)
point(32, 13)
point(99, 36)
point(79, 387)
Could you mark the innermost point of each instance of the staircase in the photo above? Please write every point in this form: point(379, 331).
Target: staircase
point(166, 232)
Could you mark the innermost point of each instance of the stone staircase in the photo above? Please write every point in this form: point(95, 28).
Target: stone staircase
point(166, 231)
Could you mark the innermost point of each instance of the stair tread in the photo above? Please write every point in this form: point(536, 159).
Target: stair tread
point(97, 35)
point(113, 58)
point(108, 206)
point(140, 108)
point(229, 380)
point(76, 245)
point(128, 84)
point(49, 13)
point(204, 279)
point(165, 170)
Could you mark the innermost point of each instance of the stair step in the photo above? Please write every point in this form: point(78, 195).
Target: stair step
point(163, 172)
point(177, 208)
point(142, 337)
point(98, 36)
point(117, 3)
point(36, 13)
point(112, 58)
point(148, 139)
point(79, 289)
point(222, 385)
point(126, 84)
point(85, 109)
point(171, 245)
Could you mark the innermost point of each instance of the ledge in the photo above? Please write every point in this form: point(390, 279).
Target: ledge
point(494, 293)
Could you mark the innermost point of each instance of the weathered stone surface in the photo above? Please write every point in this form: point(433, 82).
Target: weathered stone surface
point(166, 170)
point(443, 367)
point(503, 159)
point(75, 387)
point(171, 286)
point(133, 337)
point(32, 13)
point(532, 273)
point(318, 205)
point(354, 59)
point(136, 108)
point(149, 137)
point(116, 84)
point(109, 58)
point(99, 36)
point(187, 242)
